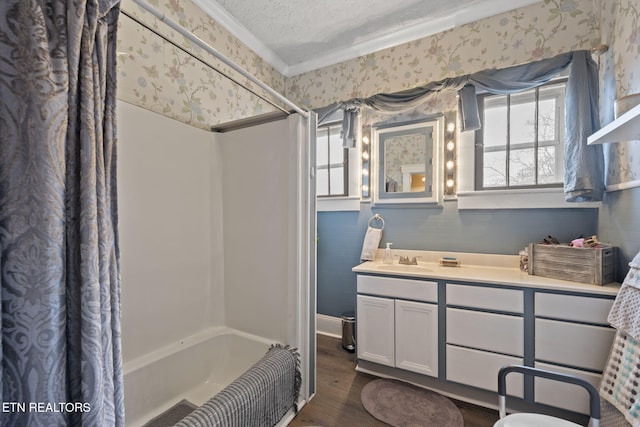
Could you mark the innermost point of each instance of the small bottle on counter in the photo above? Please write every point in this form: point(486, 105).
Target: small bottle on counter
point(388, 256)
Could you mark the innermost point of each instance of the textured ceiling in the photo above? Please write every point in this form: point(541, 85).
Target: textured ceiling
point(300, 35)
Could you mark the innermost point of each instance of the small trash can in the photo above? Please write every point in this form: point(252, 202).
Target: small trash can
point(348, 332)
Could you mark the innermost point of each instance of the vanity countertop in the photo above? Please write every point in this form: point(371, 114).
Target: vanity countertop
point(476, 268)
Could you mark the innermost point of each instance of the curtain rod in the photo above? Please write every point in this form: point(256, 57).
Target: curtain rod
point(198, 41)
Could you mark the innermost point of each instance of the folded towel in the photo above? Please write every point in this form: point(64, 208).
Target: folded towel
point(625, 312)
point(633, 276)
point(619, 384)
point(371, 243)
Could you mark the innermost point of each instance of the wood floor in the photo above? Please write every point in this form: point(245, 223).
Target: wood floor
point(338, 387)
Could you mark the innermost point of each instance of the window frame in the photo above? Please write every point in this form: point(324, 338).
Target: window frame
point(478, 179)
point(496, 199)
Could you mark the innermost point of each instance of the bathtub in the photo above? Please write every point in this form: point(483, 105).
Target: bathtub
point(194, 369)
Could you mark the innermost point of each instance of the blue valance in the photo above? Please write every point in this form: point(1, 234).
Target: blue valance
point(584, 164)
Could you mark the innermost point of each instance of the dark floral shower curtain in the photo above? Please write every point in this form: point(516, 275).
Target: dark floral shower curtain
point(59, 258)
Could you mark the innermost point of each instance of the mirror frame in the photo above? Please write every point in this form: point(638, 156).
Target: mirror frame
point(435, 125)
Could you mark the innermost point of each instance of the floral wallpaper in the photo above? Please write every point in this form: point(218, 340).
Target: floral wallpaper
point(620, 74)
point(538, 31)
point(522, 35)
point(158, 76)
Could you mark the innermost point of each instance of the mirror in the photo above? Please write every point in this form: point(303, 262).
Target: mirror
point(408, 161)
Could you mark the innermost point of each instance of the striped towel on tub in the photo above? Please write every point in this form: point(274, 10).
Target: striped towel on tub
point(258, 398)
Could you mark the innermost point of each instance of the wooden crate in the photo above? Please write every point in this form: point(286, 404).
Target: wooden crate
point(595, 266)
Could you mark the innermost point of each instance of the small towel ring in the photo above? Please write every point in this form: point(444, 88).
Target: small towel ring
point(376, 217)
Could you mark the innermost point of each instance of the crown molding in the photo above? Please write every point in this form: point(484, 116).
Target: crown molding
point(405, 35)
point(231, 24)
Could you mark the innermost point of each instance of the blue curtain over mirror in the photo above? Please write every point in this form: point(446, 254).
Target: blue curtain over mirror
point(59, 258)
point(584, 164)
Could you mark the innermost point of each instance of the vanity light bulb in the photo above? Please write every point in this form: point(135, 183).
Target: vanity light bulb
point(450, 145)
point(365, 140)
point(450, 164)
point(450, 183)
point(451, 127)
point(365, 188)
point(365, 172)
point(365, 155)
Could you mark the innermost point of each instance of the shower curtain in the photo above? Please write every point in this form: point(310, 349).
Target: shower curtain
point(59, 259)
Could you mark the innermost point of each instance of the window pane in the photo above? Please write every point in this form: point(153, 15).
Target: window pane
point(551, 134)
point(547, 120)
point(335, 145)
point(522, 137)
point(521, 167)
point(495, 121)
point(494, 169)
point(322, 141)
point(549, 168)
point(337, 180)
point(322, 182)
point(523, 112)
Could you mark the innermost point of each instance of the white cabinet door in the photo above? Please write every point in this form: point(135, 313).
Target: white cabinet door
point(375, 330)
point(417, 337)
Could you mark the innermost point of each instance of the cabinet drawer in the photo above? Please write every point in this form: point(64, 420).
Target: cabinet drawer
point(394, 287)
point(508, 300)
point(480, 369)
point(561, 395)
point(486, 331)
point(572, 344)
point(572, 307)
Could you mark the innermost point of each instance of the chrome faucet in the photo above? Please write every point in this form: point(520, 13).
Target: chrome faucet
point(406, 261)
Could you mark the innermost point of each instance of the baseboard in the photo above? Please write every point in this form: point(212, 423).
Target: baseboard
point(329, 325)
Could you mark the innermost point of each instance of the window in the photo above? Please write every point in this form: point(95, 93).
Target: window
point(332, 162)
point(521, 143)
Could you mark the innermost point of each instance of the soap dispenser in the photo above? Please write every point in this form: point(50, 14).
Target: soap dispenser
point(388, 256)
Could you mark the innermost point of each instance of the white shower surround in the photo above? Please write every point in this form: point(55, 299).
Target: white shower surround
point(200, 257)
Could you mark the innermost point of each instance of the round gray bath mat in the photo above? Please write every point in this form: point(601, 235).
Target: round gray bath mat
point(403, 405)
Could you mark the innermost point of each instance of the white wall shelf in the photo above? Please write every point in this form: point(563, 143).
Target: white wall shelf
point(624, 128)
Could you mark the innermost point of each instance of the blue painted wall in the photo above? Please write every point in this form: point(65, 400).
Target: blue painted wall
point(444, 229)
point(619, 223)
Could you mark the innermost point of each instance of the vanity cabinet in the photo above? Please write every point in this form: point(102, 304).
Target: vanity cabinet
point(571, 336)
point(485, 331)
point(394, 331)
point(453, 331)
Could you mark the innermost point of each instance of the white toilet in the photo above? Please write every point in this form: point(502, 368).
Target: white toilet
point(533, 420)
